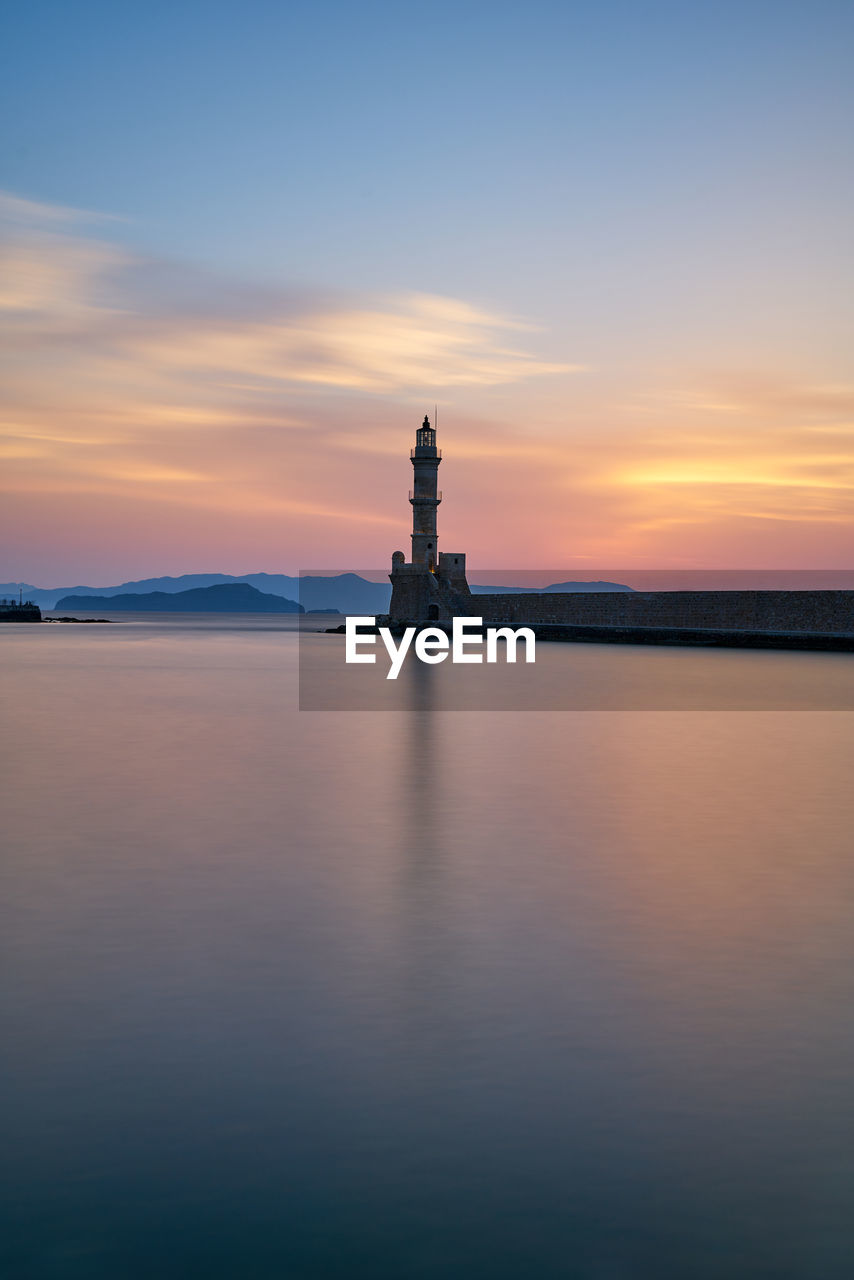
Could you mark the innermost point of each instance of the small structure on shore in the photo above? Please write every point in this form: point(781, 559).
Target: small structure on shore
point(19, 610)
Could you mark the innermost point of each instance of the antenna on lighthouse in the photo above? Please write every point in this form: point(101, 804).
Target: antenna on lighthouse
point(435, 417)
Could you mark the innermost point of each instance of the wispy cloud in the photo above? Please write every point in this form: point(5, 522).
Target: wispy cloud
point(89, 293)
point(17, 210)
point(398, 345)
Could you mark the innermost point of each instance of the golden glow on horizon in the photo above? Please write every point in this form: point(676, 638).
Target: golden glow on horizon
point(735, 473)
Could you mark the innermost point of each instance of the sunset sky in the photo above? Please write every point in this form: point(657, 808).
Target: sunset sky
point(245, 247)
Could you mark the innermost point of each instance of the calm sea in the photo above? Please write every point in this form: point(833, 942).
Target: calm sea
point(418, 993)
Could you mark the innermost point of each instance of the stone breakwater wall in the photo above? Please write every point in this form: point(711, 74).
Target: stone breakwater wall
point(818, 612)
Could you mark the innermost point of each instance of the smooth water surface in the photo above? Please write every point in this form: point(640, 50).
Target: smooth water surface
point(414, 993)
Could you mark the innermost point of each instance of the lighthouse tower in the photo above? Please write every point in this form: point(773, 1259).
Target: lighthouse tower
point(425, 496)
point(430, 586)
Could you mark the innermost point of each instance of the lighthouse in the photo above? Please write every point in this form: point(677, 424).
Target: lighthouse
point(430, 585)
point(425, 496)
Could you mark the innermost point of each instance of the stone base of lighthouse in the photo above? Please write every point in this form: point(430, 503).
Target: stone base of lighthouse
point(423, 595)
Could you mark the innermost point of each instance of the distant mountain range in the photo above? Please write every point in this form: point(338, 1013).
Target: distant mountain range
point(224, 597)
point(346, 592)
